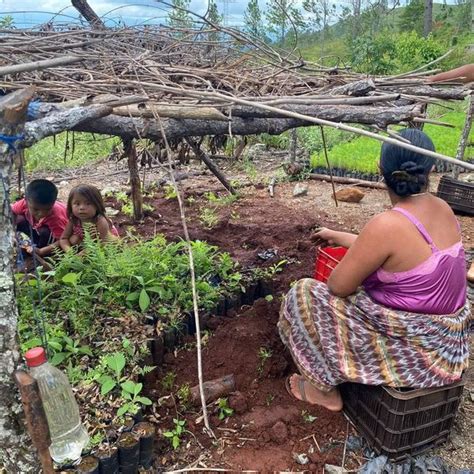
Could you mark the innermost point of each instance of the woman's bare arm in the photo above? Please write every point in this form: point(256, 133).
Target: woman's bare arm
point(464, 74)
point(368, 252)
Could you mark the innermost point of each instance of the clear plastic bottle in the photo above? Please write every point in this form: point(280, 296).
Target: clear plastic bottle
point(68, 436)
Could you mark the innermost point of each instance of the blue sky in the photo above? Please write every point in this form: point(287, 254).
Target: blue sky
point(27, 13)
point(132, 11)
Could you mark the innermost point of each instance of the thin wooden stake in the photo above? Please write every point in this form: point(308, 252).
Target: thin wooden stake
point(329, 166)
point(193, 282)
point(135, 184)
point(464, 136)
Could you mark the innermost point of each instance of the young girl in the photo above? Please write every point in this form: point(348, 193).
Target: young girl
point(85, 206)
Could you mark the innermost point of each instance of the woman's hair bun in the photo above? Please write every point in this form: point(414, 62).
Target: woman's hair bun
point(406, 171)
point(412, 168)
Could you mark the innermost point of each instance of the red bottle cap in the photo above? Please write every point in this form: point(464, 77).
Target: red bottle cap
point(35, 357)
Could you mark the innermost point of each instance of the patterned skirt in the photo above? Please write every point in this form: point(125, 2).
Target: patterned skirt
point(334, 340)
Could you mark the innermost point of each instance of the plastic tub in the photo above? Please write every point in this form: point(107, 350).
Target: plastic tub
point(327, 259)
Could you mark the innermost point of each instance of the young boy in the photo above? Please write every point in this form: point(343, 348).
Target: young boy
point(40, 216)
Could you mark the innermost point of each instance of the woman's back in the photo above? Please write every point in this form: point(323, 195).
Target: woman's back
point(425, 272)
point(409, 247)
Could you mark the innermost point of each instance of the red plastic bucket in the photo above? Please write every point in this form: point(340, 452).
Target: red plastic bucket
point(327, 259)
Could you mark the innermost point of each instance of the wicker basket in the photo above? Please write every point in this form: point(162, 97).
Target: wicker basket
point(458, 194)
point(402, 423)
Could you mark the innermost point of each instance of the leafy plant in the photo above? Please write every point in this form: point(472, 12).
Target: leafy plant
point(221, 200)
point(223, 408)
point(307, 417)
point(131, 393)
point(167, 381)
point(184, 395)
point(170, 192)
point(127, 208)
point(143, 295)
point(208, 217)
point(174, 435)
point(263, 354)
point(115, 364)
point(66, 348)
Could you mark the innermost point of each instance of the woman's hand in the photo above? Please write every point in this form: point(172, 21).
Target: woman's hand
point(333, 237)
point(325, 236)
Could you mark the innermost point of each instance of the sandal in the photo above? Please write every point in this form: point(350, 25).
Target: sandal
point(301, 383)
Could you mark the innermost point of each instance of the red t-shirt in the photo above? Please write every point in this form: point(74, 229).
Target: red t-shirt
point(56, 220)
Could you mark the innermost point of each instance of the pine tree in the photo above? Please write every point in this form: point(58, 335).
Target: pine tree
point(178, 17)
point(253, 20)
point(320, 13)
point(214, 17)
point(282, 15)
point(411, 18)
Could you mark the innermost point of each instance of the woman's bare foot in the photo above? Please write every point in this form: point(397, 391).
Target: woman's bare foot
point(306, 392)
point(470, 273)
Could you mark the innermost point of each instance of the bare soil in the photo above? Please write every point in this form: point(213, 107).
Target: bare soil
point(268, 430)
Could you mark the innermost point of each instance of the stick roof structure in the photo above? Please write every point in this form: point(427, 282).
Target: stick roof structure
point(153, 80)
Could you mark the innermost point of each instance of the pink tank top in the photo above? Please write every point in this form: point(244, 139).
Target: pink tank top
point(436, 286)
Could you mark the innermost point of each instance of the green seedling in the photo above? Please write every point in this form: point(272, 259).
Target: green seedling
point(168, 381)
point(209, 218)
point(170, 192)
point(224, 409)
point(174, 436)
point(114, 364)
point(269, 399)
point(184, 395)
point(264, 354)
point(143, 295)
point(307, 417)
point(131, 394)
point(67, 348)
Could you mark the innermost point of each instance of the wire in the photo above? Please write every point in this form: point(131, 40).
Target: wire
point(38, 310)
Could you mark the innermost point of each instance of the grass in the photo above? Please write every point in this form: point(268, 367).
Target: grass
point(59, 153)
point(362, 154)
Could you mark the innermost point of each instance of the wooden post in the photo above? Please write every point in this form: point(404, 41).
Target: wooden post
point(135, 184)
point(15, 446)
point(464, 136)
point(36, 422)
point(293, 144)
point(210, 164)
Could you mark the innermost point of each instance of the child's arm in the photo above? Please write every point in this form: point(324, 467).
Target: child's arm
point(45, 251)
point(103, 229)
point(64, 241)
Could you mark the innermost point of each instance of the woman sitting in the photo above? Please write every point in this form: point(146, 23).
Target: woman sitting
point(409, 325)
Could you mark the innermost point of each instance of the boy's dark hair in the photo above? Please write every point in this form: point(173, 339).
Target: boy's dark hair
point(92, 194)
point(405, 171)
point(41, 191)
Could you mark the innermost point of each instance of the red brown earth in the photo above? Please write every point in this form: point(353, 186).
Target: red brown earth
point(268, 428)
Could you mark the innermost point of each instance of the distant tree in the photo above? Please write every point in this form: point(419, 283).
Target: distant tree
point(6, 22)
point(282, 16)
point(178, 17)
point(427, 18)
point(214, 17)
point(411, 19)
point(253, 20)
point(319, 14)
